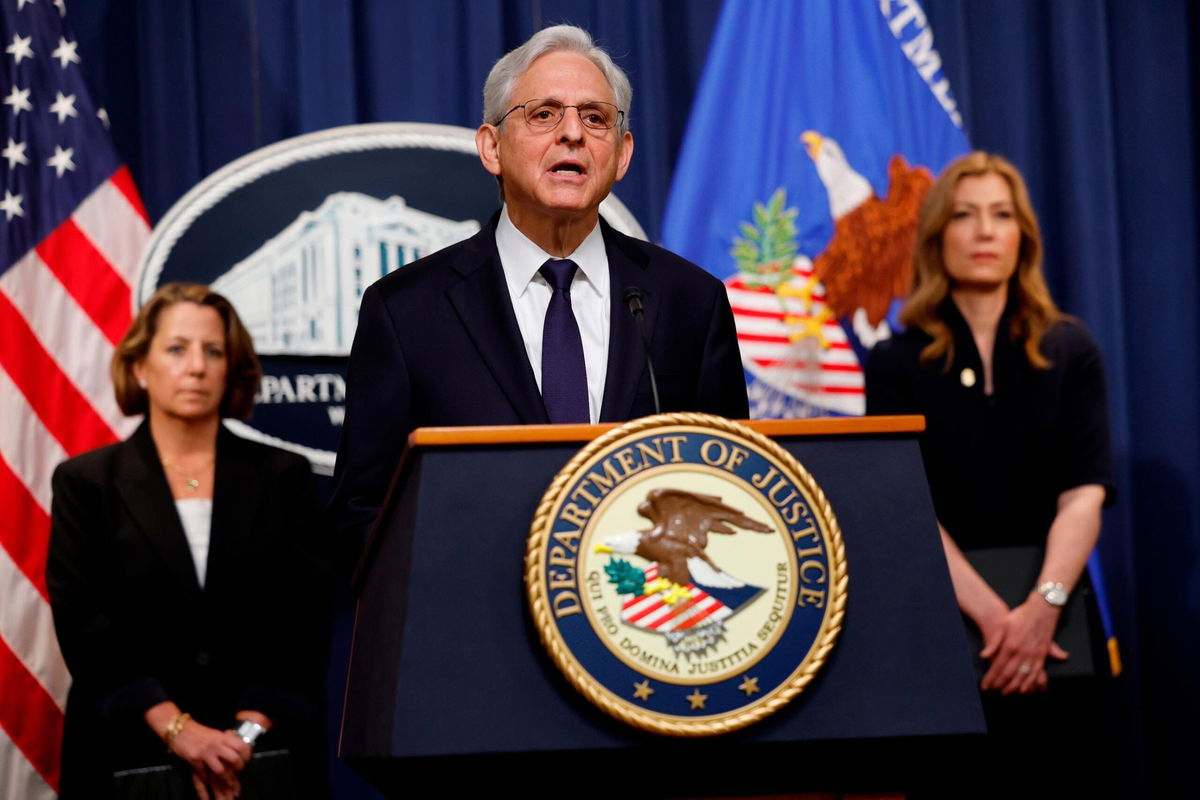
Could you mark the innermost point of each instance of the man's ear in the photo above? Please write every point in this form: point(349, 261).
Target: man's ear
point(487, 142)
point(624, 154)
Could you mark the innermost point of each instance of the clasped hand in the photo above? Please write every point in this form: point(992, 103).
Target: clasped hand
point(216, 757)
point(1018, 642)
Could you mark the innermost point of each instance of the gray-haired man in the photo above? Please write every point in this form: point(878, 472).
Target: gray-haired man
point(527, 321)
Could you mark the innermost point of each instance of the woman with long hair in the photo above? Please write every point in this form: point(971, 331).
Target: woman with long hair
point(186, 572)
point(1016, 446)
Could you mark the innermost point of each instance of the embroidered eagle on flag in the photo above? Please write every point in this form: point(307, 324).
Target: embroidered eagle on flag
point(869, 259)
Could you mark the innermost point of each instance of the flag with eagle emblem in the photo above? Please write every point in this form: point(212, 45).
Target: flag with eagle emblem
point(815, 134)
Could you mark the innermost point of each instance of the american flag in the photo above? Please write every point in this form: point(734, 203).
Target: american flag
point(73, 229)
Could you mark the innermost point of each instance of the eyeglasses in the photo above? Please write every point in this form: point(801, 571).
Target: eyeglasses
point(547, 114)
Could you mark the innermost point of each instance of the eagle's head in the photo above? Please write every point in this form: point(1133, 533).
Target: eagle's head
point(847, 190)
point(625, 543)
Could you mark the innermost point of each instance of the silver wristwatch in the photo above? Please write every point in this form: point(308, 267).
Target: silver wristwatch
point(249, 731)
point(1053, 593)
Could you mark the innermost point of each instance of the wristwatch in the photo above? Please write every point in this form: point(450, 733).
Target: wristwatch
point(249, 731)
point(1053, 593)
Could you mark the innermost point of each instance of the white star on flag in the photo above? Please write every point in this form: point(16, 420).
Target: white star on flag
point(15, 153)
point(20, 48)
point(64, 106)
point(65, 52)
point(61, 160)
point(19, 100)
point(102, 115)
point(61, 6)
point(11, 205)
point(22, 3)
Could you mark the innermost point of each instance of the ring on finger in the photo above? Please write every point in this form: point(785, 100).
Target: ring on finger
point(1024, 669)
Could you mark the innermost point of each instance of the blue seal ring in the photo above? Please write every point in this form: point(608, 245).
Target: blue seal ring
point(686, 574)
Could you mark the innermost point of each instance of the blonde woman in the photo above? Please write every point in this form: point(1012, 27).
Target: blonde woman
point(1016, 447)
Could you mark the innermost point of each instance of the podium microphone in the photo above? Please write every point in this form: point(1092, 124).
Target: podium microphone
point(633, 299)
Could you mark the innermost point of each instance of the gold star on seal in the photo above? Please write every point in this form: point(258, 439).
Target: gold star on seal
point(642, 690)
point(749, 685)
point(697, 700)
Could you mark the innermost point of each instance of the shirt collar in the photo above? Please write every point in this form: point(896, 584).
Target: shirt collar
point(521, 258)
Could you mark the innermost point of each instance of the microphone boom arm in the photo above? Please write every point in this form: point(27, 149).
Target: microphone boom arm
point(633, 299)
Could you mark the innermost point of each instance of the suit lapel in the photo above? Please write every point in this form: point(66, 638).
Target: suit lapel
point(143, 488)
point(236, 497)
point(626, 356)
point(483, 306)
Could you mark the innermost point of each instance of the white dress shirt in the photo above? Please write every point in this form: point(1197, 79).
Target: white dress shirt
point(530, 295)
point(196, 516)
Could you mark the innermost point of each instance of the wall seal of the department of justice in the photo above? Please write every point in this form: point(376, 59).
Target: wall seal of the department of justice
point(686, 574)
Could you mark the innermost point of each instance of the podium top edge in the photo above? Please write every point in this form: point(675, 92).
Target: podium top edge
point(534, 434)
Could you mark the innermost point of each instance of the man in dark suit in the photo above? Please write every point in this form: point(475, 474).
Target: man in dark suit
point(527, 321)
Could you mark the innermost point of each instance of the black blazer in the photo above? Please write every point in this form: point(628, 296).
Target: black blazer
point(438, 344)
point(134, 625)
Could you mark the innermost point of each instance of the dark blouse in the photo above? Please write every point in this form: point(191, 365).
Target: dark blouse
point(997, 464)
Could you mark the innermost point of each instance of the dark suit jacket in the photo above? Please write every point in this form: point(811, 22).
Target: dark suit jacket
point(134, 625)
point(438, 344)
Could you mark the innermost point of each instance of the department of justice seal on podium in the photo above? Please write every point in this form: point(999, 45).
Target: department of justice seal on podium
point(686, 574)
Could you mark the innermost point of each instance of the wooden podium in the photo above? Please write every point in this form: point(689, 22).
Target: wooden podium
point(449, 682)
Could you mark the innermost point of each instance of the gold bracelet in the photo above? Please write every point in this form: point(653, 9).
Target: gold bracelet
point(174, 729)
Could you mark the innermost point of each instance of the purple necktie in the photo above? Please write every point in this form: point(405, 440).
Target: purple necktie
point(564, 377)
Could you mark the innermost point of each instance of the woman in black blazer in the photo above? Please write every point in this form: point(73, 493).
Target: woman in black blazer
point(186, 569)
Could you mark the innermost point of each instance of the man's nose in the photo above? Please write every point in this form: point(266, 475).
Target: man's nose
point(571, 127)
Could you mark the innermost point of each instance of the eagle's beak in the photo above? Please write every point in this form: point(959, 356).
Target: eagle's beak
point(603, 548)
point(812, 143)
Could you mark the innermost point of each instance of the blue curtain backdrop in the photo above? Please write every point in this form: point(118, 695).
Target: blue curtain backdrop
point(1095, 100)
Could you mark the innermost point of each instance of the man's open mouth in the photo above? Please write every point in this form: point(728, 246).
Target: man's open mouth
point(567, 168)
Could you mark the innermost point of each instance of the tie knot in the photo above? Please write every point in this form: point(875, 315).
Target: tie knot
point(559, 272)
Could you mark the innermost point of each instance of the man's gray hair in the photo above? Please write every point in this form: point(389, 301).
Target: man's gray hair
point(497, 91)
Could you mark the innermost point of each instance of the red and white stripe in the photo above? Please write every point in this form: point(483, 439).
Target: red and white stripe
point(63, 308)
point(652, 612)
point(827, 373)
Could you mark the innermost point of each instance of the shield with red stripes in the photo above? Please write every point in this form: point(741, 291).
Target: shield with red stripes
point(691, 617)
point(795, 347)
